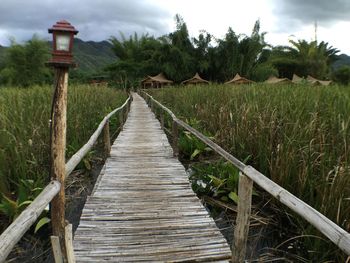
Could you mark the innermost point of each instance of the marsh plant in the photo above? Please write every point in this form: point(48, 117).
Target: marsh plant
point(297, 135)
point(24, 137)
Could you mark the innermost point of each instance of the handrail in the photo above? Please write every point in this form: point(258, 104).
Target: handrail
point(28, 217)
point(79, 155)
point(327, 227)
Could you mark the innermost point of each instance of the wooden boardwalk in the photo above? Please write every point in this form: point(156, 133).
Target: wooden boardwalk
point(142, 208)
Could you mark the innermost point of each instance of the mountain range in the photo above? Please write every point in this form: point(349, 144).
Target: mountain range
point(91, 57)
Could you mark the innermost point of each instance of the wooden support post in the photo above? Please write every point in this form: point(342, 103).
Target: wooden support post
point(106, 139)
point(175, 133)
point(58, 150)
point(162, 120)
point(56, 249)
point(69, 243)
point(245, 189)
point(121, 119)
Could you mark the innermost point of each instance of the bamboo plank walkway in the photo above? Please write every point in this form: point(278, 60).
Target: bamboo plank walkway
point(142, 208)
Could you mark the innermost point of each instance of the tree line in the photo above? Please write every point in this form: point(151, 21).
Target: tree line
point(179, 57)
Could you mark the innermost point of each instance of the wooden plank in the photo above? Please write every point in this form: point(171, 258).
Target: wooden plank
point(143, 207)
point(69, 243)
point(56, 249)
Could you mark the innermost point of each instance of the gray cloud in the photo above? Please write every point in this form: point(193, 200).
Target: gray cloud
point(295, 13)
point(95, 19)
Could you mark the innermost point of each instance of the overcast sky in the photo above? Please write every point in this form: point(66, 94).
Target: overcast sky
point(99, 19)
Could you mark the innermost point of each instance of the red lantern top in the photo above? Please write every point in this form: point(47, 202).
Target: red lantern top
point(63, 26)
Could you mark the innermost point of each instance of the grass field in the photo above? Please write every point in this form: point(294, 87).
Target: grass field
point(299, 136)
point(24, 136)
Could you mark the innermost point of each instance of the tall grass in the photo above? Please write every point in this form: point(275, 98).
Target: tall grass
point(299, 136)
point(24, 130)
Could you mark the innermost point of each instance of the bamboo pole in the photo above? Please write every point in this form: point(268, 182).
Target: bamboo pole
point(58, 151)
point(245, 189)
point(106, 139)
point(26, 219)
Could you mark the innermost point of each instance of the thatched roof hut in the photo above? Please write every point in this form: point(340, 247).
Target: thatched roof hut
point(297, 80)
point(275, 80)
point(157, 81)
point(239, 80)
point(315, 81)
point(196, 79)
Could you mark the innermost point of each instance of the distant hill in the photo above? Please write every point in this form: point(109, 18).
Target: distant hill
point(343, 60)
point(90, 56)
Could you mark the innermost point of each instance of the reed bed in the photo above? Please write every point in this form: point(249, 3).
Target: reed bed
point(299, 136)
point(24, 133)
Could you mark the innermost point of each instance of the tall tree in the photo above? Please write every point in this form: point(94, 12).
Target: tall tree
point(25, 64)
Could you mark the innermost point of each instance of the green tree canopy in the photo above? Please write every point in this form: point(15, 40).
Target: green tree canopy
point(25, 64)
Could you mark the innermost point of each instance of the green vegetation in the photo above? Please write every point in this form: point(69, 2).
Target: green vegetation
point(24, 65)
point(24, 136)
point(298, 136)
point(179, 56)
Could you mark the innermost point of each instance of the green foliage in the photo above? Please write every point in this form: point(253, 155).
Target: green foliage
point(304, 58)
point(24, 135)
point(24, 64)
point(296, 135)
point(180, 57)
point(218, 179)
point(342, 75)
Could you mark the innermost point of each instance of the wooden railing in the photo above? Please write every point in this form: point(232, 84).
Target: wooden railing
point(248, 175)
point(28, 217)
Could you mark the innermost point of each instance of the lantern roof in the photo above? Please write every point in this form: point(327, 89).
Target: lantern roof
point(63, 26)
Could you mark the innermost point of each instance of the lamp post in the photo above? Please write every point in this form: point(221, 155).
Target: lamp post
point(62, 59)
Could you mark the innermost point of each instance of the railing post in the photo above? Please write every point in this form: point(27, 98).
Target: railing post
point(106, 139)
point(245, 189)
point(58, 152)
point(175, 133)
point(121, 119)
point(162, 120)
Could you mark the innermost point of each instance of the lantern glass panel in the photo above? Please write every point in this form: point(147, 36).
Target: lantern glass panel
point(62, 42)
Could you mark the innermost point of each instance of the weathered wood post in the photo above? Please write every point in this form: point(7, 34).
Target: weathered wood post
point(245, 189)
point(162, 119)
point(175, 133)
point(62, 58)
point(121, 119)
point(106, 139)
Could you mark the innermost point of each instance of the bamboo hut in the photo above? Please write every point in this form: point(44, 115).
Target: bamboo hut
point(196, 79)
point(157, 81)
point(275, 80)
point(237, 80)
point(317, 82)
point(298, 80)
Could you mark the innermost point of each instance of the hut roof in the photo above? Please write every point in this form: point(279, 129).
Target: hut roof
point(160, 78)
point(275, 80)
point(297, 79)
point(239, 80)
point(195, 79)
point(315, 81)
